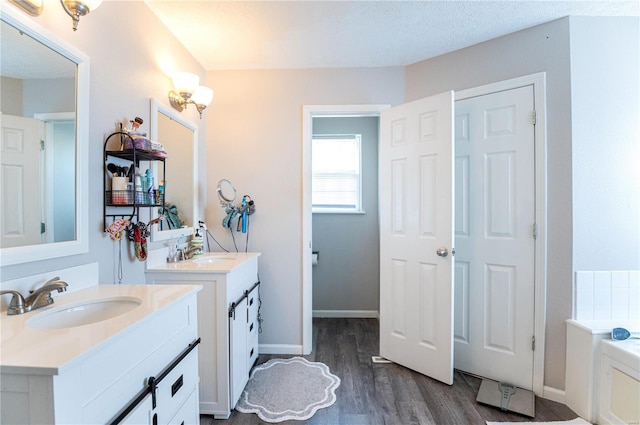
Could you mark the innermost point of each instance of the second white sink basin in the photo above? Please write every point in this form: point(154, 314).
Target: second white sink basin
point(207, 259)
point(83, 312)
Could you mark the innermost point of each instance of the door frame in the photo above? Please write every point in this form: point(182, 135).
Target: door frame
point(538, 81)
point(308, 113)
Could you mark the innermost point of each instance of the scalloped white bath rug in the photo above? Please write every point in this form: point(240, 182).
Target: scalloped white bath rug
point(576, 421)
point(288, 389)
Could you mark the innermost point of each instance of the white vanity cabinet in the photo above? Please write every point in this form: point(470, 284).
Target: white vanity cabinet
point(91, 374)
point(227, 322)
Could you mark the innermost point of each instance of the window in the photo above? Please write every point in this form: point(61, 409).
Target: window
point(336, 173)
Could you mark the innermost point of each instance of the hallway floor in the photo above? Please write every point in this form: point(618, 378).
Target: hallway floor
point(390, 394)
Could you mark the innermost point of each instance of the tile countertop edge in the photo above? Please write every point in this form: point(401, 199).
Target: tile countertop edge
point(604, 326)
point(126, 322)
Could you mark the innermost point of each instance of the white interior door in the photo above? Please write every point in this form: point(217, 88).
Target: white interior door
point(416, 220)
point(495, 246)
point(20, 181)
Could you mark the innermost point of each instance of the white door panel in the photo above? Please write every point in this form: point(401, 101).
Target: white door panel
point(19, 181)
point(495, 214)
point(416, 218)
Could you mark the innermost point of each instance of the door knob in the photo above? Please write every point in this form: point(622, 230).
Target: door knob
point(442, 251)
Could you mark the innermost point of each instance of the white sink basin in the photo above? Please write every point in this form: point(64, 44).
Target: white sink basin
point(208, 259)
point(83, 312)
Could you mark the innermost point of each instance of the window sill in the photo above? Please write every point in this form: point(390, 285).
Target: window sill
point(336, 212)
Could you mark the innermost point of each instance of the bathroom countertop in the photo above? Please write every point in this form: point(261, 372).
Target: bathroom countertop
point(210, 262)
point(24, 349)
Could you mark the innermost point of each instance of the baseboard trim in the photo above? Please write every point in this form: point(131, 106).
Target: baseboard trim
point(280, 349)
point(554, 394)
point(347, 314)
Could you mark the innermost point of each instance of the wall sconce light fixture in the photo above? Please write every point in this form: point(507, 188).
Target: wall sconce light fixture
point(32, 7)
point(188, 91)
point(78, 8)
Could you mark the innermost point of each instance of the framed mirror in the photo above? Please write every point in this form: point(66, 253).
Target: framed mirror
point(179, 138)
point(44, 97)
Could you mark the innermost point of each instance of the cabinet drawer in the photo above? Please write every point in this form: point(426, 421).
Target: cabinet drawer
point(188, 413)
point(174, 389)
point(252, 353)
point(253, 303)
point(252, 328)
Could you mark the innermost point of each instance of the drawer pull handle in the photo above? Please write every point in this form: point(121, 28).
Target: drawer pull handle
point(251, 327)
point(177, 385)
point(251, 301)
point(251, 353)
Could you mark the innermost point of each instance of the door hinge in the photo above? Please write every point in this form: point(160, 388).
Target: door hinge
point(533, 343)
point(42, 145)
point(535, 231)
point(42, 228)
point(534, 117)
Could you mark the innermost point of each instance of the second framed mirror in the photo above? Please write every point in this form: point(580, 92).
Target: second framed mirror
point(179, 138)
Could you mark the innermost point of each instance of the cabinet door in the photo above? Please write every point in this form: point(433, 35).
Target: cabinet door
point(252, 328)
point(238, 351)
point(177, 387)
point(141, 414)
point(188, 413)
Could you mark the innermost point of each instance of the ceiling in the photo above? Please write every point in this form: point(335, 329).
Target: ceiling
point(270, 34)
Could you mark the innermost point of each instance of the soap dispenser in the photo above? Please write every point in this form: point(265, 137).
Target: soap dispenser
point(197, 242)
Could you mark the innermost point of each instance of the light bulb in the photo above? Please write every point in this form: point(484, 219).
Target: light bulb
point(185, 83)
point(202, 96)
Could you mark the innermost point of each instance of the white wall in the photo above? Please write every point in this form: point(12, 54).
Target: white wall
point(49, 95)
point(12, 96)
point(605, 93)
point(132, 55)
point(254, 139)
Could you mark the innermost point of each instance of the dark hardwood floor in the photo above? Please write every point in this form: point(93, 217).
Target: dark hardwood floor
point(389, 394)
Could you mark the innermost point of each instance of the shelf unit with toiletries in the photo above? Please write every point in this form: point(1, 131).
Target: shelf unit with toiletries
point(126, 194)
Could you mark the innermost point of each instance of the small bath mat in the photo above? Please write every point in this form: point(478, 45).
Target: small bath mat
point(288, 389)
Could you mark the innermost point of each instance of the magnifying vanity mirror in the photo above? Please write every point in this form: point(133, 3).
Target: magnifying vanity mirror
point(44, 103)
point(226, 192)
point(180, 140)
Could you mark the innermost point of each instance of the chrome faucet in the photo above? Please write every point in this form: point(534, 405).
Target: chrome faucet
point(37, 298)
point(189, 253)
point(41, 297)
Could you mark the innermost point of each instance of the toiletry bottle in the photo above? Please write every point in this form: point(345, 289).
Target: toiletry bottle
point(197, 242)
point(150, 198)
point(138, 189)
